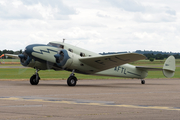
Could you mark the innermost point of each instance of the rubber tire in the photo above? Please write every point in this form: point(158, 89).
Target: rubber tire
point(142, 81)
point(71, 81)
point(33, 80)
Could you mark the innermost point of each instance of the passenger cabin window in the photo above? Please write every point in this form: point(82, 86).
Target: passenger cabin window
point(82, 54)
point(71, 50)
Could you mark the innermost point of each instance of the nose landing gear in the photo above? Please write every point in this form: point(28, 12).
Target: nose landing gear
point(71, 81)
point(34, 80)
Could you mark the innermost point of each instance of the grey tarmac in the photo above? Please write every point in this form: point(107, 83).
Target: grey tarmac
point(90, 99)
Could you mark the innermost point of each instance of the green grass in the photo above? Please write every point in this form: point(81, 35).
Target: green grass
point(9, 60)
point(26, 73)
point(159, 74)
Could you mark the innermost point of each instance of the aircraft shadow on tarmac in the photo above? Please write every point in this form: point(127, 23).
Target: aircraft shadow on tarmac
point(112, 85)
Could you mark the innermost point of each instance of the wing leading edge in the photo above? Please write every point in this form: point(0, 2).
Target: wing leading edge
point(105, 62)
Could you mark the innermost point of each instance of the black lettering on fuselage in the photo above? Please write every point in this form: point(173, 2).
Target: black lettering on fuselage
point(119, 68)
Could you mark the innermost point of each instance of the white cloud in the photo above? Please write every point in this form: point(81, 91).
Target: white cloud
point(58, 5)
point(128, 5)
point(96, 25)
point(37, 9)
point(78, 33)
point(102, 14)
point(139, 17)
point(16, 10)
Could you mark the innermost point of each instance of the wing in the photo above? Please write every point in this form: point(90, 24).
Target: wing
point(12, 55)
point(104, 62)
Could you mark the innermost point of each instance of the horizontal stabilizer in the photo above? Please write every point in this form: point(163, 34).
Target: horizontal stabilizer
point(104, 62)
point(12, 55)
point(168, 68)
point(148, 68)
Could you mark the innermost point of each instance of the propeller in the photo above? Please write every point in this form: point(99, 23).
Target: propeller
point(59, 57)
point(24, 59)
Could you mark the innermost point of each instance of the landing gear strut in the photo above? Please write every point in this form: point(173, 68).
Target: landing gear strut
point(34, 80)
point(71, 81)
point(142, 81)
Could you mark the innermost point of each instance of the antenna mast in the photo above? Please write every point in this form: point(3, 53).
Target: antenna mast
point(64, 40)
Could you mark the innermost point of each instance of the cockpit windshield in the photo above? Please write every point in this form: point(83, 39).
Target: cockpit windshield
point(56, 45)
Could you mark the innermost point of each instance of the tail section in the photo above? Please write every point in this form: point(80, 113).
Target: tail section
point(169, 67)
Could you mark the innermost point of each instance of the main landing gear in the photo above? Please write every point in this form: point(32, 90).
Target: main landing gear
point(71, 81)
point(142, 81)
point(34, 80)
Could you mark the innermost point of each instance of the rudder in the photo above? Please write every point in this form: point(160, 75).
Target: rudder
point(169, 67)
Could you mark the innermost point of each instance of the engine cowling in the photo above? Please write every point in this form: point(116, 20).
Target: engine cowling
point(24, 59)
point(62, 58)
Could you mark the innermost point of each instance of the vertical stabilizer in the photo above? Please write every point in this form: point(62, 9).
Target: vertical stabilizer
point(169, 67)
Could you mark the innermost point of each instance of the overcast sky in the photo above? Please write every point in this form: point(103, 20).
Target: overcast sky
point(96, 25)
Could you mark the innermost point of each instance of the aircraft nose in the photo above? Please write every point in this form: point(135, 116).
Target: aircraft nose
point(29, 49)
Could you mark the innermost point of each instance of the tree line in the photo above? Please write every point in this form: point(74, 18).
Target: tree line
point(10, 52)
point(155, 52)
point(151, 56)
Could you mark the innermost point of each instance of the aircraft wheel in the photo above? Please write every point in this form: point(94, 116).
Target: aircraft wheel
point(142, 81)
point(33, 80)
point(71, 81)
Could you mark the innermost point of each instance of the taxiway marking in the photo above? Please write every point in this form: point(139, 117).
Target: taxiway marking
point(90, 103)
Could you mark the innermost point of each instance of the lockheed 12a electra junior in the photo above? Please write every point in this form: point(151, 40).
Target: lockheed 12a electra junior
point(63, 56)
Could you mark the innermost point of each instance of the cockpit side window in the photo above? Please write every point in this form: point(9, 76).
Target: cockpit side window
point(61, 46)
point(56, 45)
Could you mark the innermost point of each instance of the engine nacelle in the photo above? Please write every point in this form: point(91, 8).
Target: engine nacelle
point(29, 62)
point(63, 58)
point(25, 59)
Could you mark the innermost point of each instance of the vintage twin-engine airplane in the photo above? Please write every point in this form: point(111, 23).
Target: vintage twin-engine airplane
point(62, 56)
